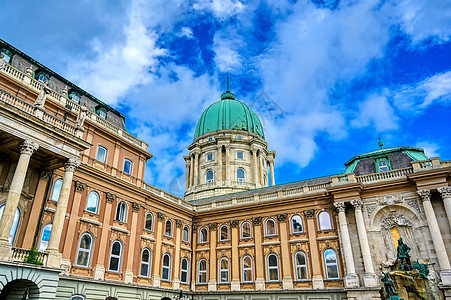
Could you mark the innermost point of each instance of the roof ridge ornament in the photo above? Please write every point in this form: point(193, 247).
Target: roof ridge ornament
point(381, 144)
point(228, 94)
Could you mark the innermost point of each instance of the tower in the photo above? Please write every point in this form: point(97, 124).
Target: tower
point(229, 152)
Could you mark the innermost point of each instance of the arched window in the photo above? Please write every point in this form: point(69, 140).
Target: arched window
point(246, 230)
point(240, 175)
point(12, 233)
point(224, 270)
point(270, 227)
point(84, 251)
point(202, 272)
point(128, 165)
point(185, 236)
point(121, 213)
point(247, 269)
point(45, 237)
point(101, 154)
point(77, 297)
point(203, 235)
point(184, 271)
point(56, 189)
point(93, 202)
point(331, 264)
point(209, 176)
point(166, 274)
point(296, 224)
point(74, 96)
point(145, 262)
point(149, 222)
point(224, 232)
point(168, 228)
point(300, 261)
point(115, 257)
point(325, 222)
point(273, 267)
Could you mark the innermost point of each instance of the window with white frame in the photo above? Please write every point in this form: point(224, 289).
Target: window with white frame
point(45, 237)
point(168, 228)
point(273, 267)
point(115, 257)
point(166, 272)
point(240, 175)
point(224, 270)
point(13, 231)
point(296, 224)
point(224, 232)
point(102, 113)
point(128, 165)
point(149, 222)
point(92, 204)
point(101, 154)
point(209, 156)
point(331, 264)
point(121, 213)
point(42, 77)
point(185, 235)
point(209, 176)
point(5, 55)
point(247, 269)
point(325, 222)
point(77, 297)
point(246, 230)
point(145, 263)
point(203, 235)
point(74, 96)
point(202, 272)
point(270, 227)
point(382, 165)
point(184, 271)
point(301, 266)
point(56, 191)
point(84, 250)
point(240, 154)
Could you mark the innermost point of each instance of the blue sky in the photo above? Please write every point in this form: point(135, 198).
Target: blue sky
point(327, 77)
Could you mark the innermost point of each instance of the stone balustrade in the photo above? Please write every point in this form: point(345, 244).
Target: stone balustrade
point(19, 254)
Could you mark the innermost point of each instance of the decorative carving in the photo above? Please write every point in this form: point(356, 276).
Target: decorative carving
point(393, 219)
point(425, 195)
point(2, 62)
point(28, 147)
point(390, 200)
point(178, 223)
point(340, 206)
point(161, 216)
point(79, 186)
point(110, 197)
point(370, 208)
point(194, 227)
point(282, 217)
point(257, 220)
point(357, 203)
point(45, 175)
point(234, 223)
point(136, 206)
point(30, 71)
point(212, 226)
point(40, 100)
point(72, 164)
point(445, 191)
point(309, 213)
point(81, 116)
point(413, 203)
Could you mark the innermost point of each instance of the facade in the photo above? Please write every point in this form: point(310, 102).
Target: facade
point(72, 187)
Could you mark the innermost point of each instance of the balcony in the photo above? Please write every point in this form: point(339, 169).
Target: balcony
point(19, 254)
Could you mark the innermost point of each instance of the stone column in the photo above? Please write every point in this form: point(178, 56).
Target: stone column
point(227, 163)
point(213, 262)
point(177, 261)
point(254, 166)
point(27, 148)
point(370, 278)
point(193, 268)
point(271, 169)
point(235, 283)
point(219, 158)
point(157, 257)
point(101, 262)
point(317, 279)
point(287, 278)
point(187, 182)
point(260, 163)
point(437, 239)
point(445, 192)
point(350, 279)
point(191, 171)
point(128, 278)
point(196, 167)
point(259, 259)
point(60, 214)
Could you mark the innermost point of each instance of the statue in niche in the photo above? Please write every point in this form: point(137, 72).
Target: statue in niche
point(403, 256)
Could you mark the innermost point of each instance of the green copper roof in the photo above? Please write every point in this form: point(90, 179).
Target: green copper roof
point(228, 114)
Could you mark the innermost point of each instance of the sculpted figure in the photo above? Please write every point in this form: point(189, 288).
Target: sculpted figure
point(389, 286)
point(40, 100)
point(403, 255)
point(422, 268)
point(81, 115)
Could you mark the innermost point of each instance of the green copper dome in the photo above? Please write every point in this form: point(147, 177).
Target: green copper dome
point(228, 114)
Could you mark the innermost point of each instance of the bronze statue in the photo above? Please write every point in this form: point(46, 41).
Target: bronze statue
point(403, 256)
point(422, 268)
point(389, 286)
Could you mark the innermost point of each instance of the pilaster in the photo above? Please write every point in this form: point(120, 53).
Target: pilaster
point(259, 260)
point(157, 257)
point(317, 278)
point(213, 272)
point(445, 193)
point(235, 283)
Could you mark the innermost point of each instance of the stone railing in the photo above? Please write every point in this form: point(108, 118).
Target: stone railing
point(62, 100)
point(166, 196)
point(426, 164)
point(19, 254)
point(376, 177)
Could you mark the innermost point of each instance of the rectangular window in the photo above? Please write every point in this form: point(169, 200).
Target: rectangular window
point(101, 154)
point(209, 156)
point(240, 154)
point(383, 166)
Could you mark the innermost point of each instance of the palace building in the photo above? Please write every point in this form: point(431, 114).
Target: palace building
point(79, 222)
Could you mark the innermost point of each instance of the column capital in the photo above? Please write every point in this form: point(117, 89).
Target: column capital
point(161, 216)
point(45, 175)
point(425, 195)
point(110, 197)
point(309, 213)
point(28, 147)
point(79, 186)
point(178, 223)
point(72, 164)
point(445, 191)
point(234, 223)
point(213, 226)
point(257, 220)
point(136, 206)
point(340, 206)
point(357, 203)
point(282, 217)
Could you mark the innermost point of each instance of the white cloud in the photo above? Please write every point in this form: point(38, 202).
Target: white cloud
point(430, 149)
point(222, 9)
point(226, 48)
point(186, 32)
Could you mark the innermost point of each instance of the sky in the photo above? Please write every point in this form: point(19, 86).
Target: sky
point(327, 78)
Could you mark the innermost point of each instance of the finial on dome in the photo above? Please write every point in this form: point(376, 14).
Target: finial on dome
point(228, 83)
point(228, 94)
point(381, 144)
